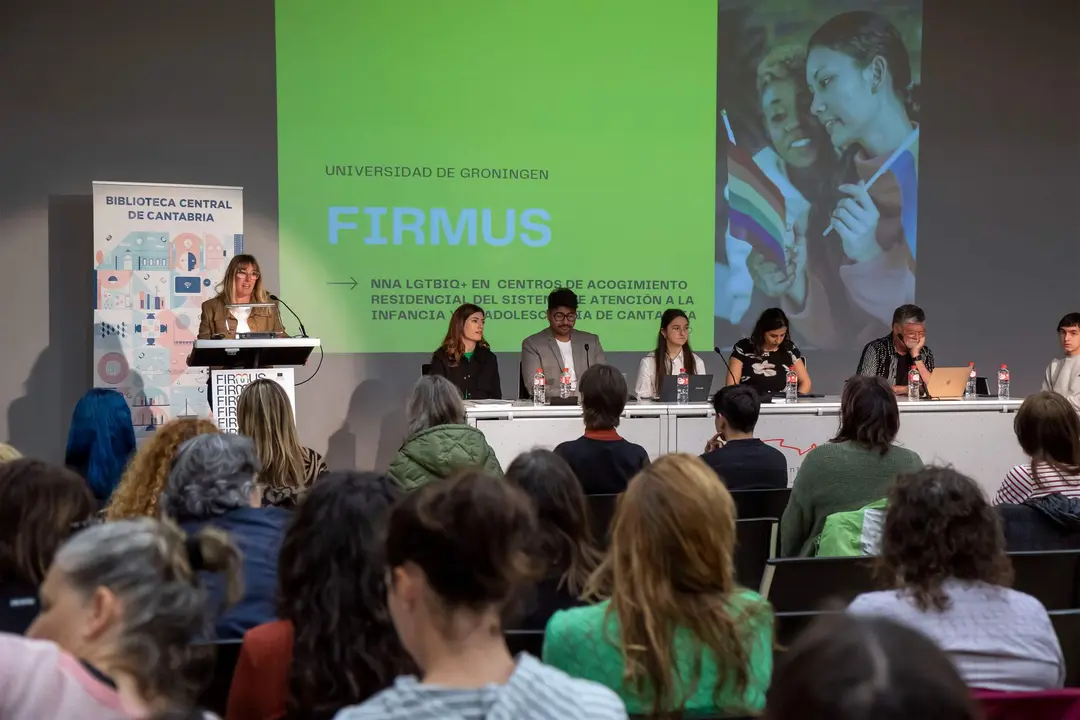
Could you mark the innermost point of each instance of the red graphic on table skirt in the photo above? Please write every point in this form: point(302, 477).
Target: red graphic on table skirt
point(783, 444)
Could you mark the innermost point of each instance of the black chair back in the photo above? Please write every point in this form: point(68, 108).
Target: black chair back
point(215, 694)
point(760, 503)
point(523, 392)
point(753, 548)
point(809, 584)
point(601, 511)
point(1067, 626)
point(1052, 577)
point(425, 369)
point(790, 625)
point(530, 641)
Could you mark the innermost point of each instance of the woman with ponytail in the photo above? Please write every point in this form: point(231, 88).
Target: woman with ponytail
point(860, 74)
point(121, 605)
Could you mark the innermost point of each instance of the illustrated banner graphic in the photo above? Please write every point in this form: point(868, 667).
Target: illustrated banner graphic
point(159, 252)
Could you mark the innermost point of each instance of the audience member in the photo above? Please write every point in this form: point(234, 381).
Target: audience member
point(943, 554)
point(741, 460)
point(264, 414)
point(8, 453)
point(675, 634)
point(565, 541)
point(120, 608)
point(101, 440)
point(40, 506)
point(1048, 431)
point(603, 461)
point(851, 668)
point(852, 470)
point(212, 484)
point(142, 483)
point(335, 644)
point(439, 441)
point(458, 551)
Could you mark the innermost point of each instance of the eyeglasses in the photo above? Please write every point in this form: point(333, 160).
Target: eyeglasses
point(248, 273)
point(564, 317)
point(679, 329)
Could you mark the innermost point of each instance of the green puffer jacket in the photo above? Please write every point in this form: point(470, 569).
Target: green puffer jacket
point(437, 452)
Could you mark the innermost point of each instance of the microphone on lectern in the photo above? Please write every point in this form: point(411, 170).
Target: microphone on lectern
point(303, 332)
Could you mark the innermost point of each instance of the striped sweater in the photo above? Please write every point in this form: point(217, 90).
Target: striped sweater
point(1021, 483)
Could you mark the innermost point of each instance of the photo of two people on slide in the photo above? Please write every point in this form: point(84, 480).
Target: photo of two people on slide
point(824, 131)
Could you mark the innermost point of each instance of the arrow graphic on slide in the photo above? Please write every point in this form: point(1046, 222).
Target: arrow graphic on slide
point(351, 282)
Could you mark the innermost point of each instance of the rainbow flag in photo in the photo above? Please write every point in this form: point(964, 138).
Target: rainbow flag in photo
point(905, 169)
point(757, 211)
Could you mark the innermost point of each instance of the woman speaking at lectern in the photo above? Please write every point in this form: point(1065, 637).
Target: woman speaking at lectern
point(242, 285)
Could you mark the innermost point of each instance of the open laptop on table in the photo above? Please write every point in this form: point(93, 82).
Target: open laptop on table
point(948, 383)
point(699, 388)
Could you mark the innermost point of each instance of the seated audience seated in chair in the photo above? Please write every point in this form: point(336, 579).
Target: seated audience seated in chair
point(845, 667)
point(850, 471)
point(264, 414)
point(439, 441)
point(603, 461)
point(741, 460)
point(334, 644)
point(943, 554)
point(101, 440)
point(458, 552)
point(565, 544)
point(41, 505)
point(212, 484)
point(674, 633)
point(1048, 431)
point(121, 607)
point(142, 483)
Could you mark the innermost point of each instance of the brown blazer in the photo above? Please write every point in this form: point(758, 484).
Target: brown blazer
point(216, 320)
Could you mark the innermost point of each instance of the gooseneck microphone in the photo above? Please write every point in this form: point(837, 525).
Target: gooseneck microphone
point(303, 332)
point(587, 365)
point(721, 354)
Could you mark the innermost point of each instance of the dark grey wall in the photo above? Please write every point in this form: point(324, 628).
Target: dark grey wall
point(184, 92)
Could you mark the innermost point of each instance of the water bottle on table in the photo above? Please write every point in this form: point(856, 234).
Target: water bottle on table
point(564, 384)
point(914, 383)
point(791, 386)
point(539, 387)
point(969, 389)
point(682, 392)
point(1003, 383)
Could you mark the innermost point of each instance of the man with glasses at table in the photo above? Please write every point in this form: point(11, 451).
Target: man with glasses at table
point(892, 356)
point(560, 345)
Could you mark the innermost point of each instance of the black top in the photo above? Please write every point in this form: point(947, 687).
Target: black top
point(603, 461)
point(903, 367)
point(477, 378)
point(749, 465)
point(545, 599)
point(1050, 522)
point(764, 371)
point(19, 605)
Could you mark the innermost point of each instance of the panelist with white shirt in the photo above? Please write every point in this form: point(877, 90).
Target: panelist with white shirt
point(242, 285)
point(669, 357)
point(559, 345)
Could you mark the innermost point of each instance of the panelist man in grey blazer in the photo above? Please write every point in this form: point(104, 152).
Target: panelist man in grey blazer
point(559, 345)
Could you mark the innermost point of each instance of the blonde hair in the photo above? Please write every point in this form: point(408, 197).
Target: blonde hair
point(225, 287)
point(671, 567)
point(145, 478)
point(8, 453)
point(264, 414)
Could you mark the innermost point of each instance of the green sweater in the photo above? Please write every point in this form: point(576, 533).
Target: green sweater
point(579, 643)
point(837, 477)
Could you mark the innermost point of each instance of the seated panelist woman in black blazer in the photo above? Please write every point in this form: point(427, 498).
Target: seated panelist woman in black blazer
point(465, 358)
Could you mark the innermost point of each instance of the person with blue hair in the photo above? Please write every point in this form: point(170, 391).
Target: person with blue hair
point(101, 440)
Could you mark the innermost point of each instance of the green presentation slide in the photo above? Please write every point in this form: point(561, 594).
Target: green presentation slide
point(433, 153)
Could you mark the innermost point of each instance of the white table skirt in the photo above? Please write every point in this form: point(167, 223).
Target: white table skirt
point(974, 436)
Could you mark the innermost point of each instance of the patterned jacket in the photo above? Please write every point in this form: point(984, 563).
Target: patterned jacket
point(879, 358)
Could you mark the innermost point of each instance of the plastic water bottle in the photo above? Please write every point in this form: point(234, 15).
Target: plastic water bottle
point(564, 383)
point(539, 387)
point(1003, 382)
point(969, 389)
point(791, 386)
point(914, 383)
point(682, 385)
